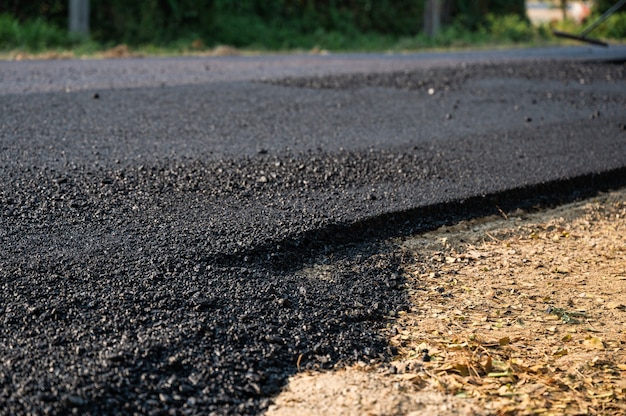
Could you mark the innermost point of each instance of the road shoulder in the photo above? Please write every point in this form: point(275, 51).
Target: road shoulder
point(524, 313)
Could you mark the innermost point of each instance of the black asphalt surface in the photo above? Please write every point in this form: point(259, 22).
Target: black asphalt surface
point(163, 222)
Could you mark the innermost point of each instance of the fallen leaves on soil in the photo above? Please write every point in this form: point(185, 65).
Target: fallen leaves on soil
point(519, 315)
point(522, 317)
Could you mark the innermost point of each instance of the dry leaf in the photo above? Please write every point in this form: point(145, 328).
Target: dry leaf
point(538, 369)
point(593, 343)
point(407, 376)
point(488, 367)
point(463, 369)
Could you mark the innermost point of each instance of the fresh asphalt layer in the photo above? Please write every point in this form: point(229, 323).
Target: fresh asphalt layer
point(164, 223)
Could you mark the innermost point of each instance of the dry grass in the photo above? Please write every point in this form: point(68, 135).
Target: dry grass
point(196, 48)
point(524, 315)
point(512, 316)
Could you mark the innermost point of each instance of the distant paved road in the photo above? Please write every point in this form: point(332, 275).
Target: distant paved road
point(160, 218)
point(72, 75)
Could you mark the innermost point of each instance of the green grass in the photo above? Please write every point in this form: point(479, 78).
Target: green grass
point(37, 37)
point(34, 36)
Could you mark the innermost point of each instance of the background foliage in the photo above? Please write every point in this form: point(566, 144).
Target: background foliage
point(272, 24)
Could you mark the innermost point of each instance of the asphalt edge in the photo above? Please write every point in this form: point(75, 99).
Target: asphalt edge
point(297, 250)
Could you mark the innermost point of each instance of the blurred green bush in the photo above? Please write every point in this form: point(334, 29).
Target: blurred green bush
point(33, 35)
point(272, 24)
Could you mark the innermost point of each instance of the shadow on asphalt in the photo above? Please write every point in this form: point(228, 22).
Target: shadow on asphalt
point(143, 289)
point(125, 308)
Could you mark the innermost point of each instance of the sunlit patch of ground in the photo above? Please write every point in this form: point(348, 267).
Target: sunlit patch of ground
point(520, 314)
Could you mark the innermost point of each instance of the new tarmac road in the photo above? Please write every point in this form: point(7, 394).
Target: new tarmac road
point(163, 221)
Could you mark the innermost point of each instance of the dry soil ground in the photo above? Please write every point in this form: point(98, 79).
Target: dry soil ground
point(518, 314)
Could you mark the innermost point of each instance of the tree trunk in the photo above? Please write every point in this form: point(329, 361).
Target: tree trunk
point(79, 17)
point(564, 8)
point(432, 17)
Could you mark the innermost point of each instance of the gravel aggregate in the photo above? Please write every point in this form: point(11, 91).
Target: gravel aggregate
point(162, 249)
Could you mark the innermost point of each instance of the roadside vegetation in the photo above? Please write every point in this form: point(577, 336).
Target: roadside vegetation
point(193, 26)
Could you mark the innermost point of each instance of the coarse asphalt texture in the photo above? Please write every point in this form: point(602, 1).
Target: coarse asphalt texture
point(164, 223)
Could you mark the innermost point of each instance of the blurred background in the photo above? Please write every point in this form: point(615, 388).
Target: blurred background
point(84, 27)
